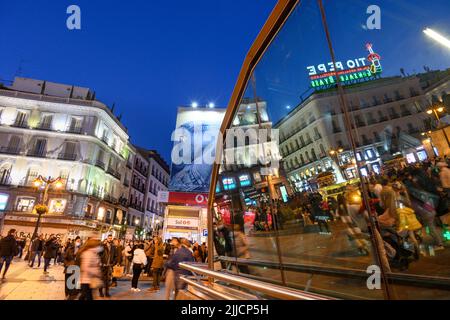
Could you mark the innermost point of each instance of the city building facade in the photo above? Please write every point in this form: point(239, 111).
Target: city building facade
point(388, 117)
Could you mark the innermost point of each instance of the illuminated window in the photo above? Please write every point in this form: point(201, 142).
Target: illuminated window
point(3, 201)
point(57, 205)
point(229, 183)
point(369, 153)
point(422, 155)
point(25, 204)
point(358, 156)
point(244, 180)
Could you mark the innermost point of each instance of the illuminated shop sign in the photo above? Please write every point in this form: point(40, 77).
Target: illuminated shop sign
point(324, 76)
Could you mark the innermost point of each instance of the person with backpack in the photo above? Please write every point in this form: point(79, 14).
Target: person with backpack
point(8, 249)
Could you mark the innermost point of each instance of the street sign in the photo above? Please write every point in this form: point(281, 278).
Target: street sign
point(205, 232)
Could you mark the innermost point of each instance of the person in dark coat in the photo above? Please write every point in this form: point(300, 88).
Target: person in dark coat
point(51, 248)
point(70, 254)
point(109, 258)
point(8, 249)
point(36, 249)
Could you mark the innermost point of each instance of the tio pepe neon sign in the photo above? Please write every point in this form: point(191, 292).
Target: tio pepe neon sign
point(362, 69)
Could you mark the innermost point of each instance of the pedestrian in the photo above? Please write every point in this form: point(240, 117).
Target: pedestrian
point(36, 250)
point(182, 254)
point(139, 262)
point(157, 265)
point(51, 247)
point(127, 258)
point(108, 260)
point(90, 273)
point(70, 254)
point(8, 249)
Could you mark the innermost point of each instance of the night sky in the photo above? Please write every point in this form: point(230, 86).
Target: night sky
point(149, 57)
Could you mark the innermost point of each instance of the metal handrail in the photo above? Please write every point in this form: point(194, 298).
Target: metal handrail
point(206, 289)
point(400, 278)
point(271, 290)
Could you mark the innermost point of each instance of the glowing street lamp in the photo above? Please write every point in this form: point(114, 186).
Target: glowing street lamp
point(194, 104)
point(41, 208)
point(436, 36)
point(436, 109)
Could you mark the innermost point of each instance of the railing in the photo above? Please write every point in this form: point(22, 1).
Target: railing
point(37, 154)
point(114, 173)
point(270, 290)
point(20, 124)
point(76, 130)
point(45, 126)
point(10, 150)
point(67, 156)
point(399, 278)
point(100, 164)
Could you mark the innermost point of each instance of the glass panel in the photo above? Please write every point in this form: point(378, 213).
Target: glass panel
point(407, 69)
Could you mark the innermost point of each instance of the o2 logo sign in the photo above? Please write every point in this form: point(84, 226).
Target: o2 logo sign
point(374, 20)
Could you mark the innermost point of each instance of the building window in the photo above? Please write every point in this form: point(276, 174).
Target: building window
point(3, 200)
point(229, 183)
point(57, 205)
point(244, 180)
point(25, 204)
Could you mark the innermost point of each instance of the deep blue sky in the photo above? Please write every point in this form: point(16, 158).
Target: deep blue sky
point(149, 57)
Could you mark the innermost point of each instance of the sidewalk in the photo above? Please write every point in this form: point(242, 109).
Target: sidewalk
point(25, 283)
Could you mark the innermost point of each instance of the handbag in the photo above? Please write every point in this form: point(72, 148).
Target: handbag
point(407, 220)
point(118, 271)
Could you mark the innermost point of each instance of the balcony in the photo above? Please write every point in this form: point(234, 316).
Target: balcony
point(100, 164)
point(20, 124)
point(10, 150)
point(47, 126)
point(399, 97)
point(74, 129)
point(371, 121)
point(105, 139)
point(114, 173)
point(67, 156)
point(394, 115)
point(387, 100)
point(129, 165)
point(37, 154)
point(5, 181)
point(383, 119)
point(126, 183)
point(136, 206)
point(360, 124)
point(141, 170)
point(367, 141)
point(406, 113)
point(413, 130)
point(139, 188)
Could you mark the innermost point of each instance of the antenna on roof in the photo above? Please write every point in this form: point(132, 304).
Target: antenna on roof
point(119, 117)
point(113, 106)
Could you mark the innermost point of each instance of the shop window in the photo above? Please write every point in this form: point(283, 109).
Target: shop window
point(57, 205)
point(25, 204)
point(3, 200)
point(229, 183)
point(244, 180)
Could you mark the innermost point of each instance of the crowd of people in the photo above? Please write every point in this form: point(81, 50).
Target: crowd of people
point(101, 263)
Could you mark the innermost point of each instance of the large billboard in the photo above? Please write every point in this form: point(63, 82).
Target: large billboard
point(193, 152)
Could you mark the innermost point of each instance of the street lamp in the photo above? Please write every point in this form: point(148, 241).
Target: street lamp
point(41, 208)
point(436, 109)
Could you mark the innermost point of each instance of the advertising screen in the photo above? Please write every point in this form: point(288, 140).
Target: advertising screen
point(193, 152)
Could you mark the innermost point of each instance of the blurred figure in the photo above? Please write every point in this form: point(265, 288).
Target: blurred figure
point(90, 272)
point(21, 246)
point(241, 248)
point(183, 253)
point(157, 255)
point(51, 246)
point(139, 262)
point(36, 249)
point(70, 254)
point(8, 249)
point(127, 257)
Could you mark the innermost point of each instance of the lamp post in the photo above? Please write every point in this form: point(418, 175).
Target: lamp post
point(436, 109)
point(430, 140)
point(335, 156)
point(41, 208)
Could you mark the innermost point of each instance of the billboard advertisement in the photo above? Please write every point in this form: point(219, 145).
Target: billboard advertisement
point(193, 152)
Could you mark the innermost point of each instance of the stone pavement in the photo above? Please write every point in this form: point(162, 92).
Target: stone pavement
point(25, 283)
